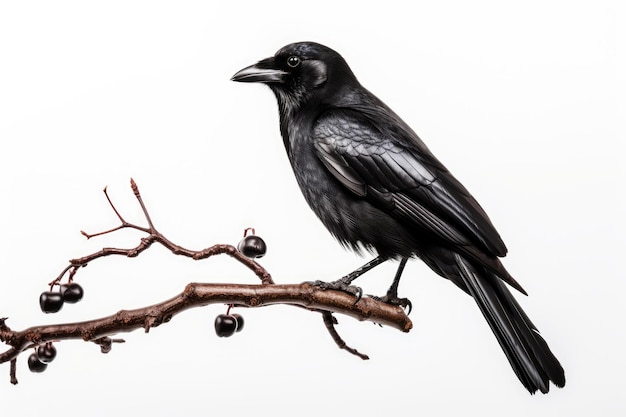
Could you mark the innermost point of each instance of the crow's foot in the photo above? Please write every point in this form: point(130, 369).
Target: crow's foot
point(393, 299)
point(339, 285)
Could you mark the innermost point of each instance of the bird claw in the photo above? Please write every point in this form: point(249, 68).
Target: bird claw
point(405, 303)
point(339, 285)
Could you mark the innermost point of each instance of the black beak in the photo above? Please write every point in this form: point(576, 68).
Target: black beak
point(262, 72)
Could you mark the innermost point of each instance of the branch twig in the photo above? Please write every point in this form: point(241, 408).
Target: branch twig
point(330, 321)
point(155, 236)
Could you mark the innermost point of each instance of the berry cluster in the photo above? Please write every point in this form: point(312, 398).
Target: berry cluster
point(227, 325)
point(52, 301)
point(44, 354)
point(251, 246)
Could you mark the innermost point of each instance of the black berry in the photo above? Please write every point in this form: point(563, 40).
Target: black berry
point(252, 246)
point(225, 325)
point(50, 302)
point(46, 352)
point(35, 365)
point(72, 292)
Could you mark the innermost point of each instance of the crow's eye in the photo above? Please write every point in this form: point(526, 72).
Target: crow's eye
point(293, 61)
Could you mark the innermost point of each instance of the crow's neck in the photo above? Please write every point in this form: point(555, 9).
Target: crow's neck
point(296, 118)
point(300, 109)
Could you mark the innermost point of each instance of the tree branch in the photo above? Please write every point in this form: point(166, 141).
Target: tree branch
point(198, 295)
point(310, 297)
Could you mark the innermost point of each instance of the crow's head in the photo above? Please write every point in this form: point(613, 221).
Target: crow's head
point(300, 72)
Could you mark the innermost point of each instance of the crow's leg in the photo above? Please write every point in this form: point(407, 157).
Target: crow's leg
point(345, 283)
point(392, 293)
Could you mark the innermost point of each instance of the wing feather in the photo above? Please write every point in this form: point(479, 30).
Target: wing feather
point(372, 162)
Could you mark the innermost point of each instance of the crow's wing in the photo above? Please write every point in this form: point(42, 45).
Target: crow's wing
point(400, 175)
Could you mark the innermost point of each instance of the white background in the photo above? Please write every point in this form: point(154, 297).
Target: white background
point(523, 102)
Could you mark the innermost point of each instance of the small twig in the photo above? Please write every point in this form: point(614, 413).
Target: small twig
point(12, 371)
point(59, 277)
point(124, 223)
point(106, 343)
point(117, 213)
point(330, 321)
point(133, 185)
point(155, 236)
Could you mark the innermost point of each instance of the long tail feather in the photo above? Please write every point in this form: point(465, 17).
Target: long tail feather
point(528, 353)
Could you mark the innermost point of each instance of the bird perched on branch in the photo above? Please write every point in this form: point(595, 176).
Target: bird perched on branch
point(376, 186)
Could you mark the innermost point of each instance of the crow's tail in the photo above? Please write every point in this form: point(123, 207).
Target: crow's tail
point(529, 354)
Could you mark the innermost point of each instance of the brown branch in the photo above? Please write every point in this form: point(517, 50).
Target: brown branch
point(197, 295)
point(314, 298)
point(155, 236)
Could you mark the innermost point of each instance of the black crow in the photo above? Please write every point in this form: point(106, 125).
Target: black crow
point(376, 186)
